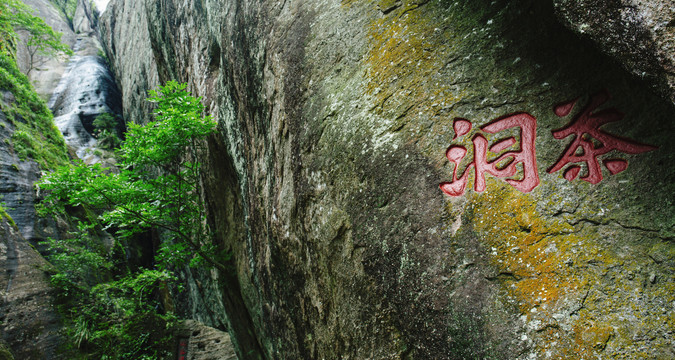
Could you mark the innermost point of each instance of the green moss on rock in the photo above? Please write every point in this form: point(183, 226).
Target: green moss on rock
point(36, 136)
point(5, 353)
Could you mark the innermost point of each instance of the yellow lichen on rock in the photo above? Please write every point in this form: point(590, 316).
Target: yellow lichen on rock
point(410, 47)
point(524, 245)
point(564, 279)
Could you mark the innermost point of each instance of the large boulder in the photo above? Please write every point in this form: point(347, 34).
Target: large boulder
point(335, 126)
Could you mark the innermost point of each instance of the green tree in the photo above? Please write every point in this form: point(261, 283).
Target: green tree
point(68, 8)
point(156, 186)
point(106, 131)
point(41, 39)
point(106, 317)
point(36, 137)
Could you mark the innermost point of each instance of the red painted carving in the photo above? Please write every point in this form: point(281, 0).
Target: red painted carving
point(524, 155)
point(564, 109)
point(182, 349)
point(455, 154)
point(615, 166)
point(590, 142)
point(461, 126)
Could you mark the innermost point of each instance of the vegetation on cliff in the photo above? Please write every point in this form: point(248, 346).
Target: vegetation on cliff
point(40, 38)
point(154, 188)
point(68, 8)
point(35, 137)
point(107, 132)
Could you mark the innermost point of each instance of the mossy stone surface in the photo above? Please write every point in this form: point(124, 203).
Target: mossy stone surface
point(324, 180)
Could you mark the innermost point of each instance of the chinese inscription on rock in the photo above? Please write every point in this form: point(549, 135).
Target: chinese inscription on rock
point(182, 349)
point(588, 144)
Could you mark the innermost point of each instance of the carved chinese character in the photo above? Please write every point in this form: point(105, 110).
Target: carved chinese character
point(504, 166)
point(590, 141)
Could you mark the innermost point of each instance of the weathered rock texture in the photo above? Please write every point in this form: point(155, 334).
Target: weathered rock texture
point(16, 182)
point(28, 322)
point(199, 342)
point(48, 70)
point(140, 70)
point(334, 119)
point(78, 88)
point(638, 33)
point(85, 17)
point(86, 90)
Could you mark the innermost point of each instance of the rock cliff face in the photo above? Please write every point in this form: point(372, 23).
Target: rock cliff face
point(84, 98)
point(16, 183)
point(335, 126)
point(639, 34)
point(86, 90)
point(48, 70)
point(29, 325)
point(78, 88)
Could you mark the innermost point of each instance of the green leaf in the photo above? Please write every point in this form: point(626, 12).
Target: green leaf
point(157, 186)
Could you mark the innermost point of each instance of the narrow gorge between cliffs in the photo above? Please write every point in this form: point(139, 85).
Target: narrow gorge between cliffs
point(385, 179)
